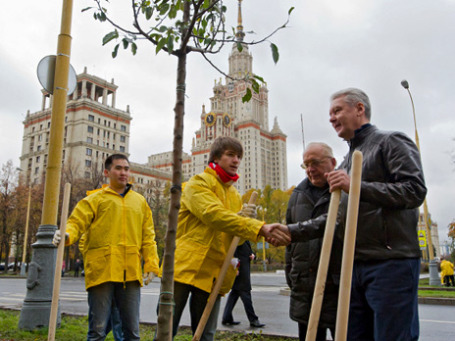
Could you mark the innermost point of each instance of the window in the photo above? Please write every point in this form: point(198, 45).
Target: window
point(89, 140)
point(88, 163)
point(87, 175)
point(88, 152)
point(122, 138)
point(122, 149)
point(91, 118)
point(123, 127)
point(36, 170)
point(37, 159)
point(90, 129)
point(48, 125)
point(38, 148)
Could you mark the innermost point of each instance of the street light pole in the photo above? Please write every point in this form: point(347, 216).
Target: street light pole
point(37, 303)
point(434, 276)
point(27, 220)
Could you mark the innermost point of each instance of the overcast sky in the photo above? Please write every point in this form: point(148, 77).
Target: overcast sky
point(328, 45)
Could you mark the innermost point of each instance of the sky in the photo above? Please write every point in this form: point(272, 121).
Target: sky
point(327, 46)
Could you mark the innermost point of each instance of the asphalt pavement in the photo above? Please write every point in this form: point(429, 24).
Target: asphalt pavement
point(436, 322)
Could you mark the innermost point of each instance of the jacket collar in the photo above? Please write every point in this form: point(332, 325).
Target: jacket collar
point(361, 133)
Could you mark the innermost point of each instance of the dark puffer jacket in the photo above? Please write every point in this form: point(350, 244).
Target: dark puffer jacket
point(302, 258)
point(392, 188)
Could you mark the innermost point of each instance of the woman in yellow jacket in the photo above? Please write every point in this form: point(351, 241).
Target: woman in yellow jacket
point(208, 220)
point(118, 228)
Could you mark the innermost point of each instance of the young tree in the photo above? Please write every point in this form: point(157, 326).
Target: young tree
point(177, 27)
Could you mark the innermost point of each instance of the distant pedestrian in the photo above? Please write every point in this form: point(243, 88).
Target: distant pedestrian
point(63, 268)
point(447, 272)
point(77, 267)
point(242, 289)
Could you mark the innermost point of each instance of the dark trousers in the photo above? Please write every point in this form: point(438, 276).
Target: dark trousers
point(198, 300)
point(321, 335)
point(448, 279)
point(384, 300)
point(245, 296)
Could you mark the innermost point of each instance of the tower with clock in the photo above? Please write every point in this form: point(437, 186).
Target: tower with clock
point(264, 162)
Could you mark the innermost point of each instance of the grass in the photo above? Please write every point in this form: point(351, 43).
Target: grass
point(75, 328)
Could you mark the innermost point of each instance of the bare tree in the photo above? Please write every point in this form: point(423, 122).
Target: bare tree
point(8, 184)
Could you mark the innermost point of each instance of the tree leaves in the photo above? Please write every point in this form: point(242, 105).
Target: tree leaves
point(275, 54)
point(108, 37)
point(247, 96)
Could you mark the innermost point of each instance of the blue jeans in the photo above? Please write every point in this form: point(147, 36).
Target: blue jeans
point(115, 324)
point(127, 300)
point(384, 300)
point(198, 301)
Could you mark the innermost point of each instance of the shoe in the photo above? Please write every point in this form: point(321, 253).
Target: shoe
point(257, 324)
point(230, 323)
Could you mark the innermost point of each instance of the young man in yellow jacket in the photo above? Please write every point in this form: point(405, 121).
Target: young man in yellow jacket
point(208, 220)
point(118, 227)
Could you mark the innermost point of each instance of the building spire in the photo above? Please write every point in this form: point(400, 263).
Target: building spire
point(240, 34)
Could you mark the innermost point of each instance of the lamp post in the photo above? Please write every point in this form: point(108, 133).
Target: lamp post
point(264, 263)
point(37, 303)
point(433, 268)
point(27, 220)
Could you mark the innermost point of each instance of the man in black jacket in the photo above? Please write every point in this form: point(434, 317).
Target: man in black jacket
point(309, 200)
point(387, 255)
point(242, 289)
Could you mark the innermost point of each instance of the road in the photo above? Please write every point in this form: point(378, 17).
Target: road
point(436, 321)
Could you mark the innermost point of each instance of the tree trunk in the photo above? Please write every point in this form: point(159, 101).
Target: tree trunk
point(166, 301)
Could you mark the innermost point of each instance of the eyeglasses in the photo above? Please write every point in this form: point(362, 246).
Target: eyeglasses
point(314, 162)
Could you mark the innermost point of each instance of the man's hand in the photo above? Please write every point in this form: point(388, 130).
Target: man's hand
point(339, 179)
point(276, 234)
point(58, 237)
point(148, 277)
point(248, 210)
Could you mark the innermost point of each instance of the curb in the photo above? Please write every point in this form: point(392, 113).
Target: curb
point(421, 300)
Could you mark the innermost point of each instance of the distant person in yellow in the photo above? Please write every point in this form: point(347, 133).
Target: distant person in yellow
point(118, 226)
point(447, 272)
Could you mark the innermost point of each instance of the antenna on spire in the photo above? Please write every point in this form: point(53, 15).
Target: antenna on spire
point(303, 133)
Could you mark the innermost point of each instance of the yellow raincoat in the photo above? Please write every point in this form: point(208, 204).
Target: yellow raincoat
point(208, 220)
point(118, 230)
point(446, 269)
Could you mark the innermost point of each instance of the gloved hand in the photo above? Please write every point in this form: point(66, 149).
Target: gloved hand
point(248, 210)
point(58, 237)
point(148, 277)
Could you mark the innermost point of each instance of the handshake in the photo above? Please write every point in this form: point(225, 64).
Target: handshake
point(275, 234)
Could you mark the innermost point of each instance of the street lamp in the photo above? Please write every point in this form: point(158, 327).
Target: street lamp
point(434, 276)
point(27, 220)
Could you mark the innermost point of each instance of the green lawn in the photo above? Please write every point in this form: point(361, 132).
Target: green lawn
point(75, 329)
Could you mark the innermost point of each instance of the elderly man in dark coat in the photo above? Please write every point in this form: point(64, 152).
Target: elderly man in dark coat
point(309, 200)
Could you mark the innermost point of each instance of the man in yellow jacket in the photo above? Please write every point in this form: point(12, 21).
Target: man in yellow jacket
point(208, 220)
point(118, 227)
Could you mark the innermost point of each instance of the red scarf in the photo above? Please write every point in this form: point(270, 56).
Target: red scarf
point(225, 177)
